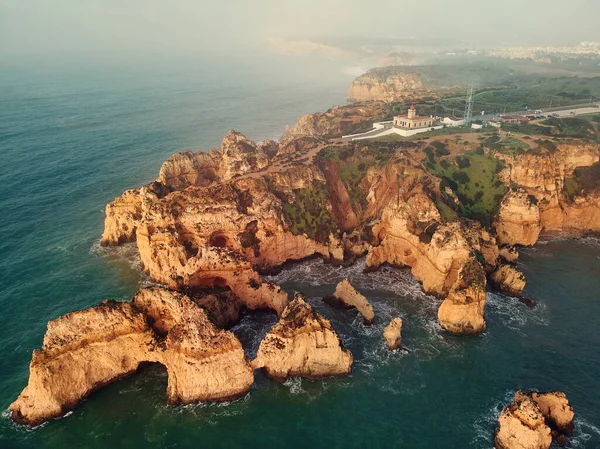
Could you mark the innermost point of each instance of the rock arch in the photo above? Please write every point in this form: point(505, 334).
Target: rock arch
point(86, 350)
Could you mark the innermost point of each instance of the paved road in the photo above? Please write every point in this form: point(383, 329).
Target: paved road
point(562, 112)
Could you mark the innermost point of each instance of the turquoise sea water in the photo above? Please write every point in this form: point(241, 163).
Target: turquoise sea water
point(70, 141)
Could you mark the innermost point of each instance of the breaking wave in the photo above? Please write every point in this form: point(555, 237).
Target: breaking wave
point(512, 313)
point(126, 256)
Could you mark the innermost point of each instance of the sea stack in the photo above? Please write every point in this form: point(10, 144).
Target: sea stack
point(346, 296)
point(302, 343)
point(533, 420)
point(393, 334)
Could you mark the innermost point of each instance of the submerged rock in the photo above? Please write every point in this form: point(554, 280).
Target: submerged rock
point(392, 334)
point(302, 343)
point(85, 350)
point(533, 420)
point(346, 296)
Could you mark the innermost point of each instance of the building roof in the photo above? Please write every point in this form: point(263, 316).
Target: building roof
point(412, 106)
point(416, 117)
point(455, 118)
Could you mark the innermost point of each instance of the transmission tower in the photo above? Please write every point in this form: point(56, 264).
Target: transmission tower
point(469, 104)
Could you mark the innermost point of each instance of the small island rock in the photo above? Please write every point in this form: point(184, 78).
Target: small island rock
point(345, 295)
point(533, 420)
point(302, 343)
point(392, 334)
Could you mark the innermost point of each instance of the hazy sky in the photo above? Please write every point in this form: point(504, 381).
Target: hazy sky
point(155, 27)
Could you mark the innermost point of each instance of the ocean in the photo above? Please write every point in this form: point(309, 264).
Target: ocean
point(71, 140)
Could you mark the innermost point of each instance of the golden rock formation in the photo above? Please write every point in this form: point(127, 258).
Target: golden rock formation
point(462, 312)
point(394, 87)
point(336, 121)
point(85, 350)
point(302, 343)
point(539, 203)
point(393, 334)
point(521, 426)
point(508, 280)
point(519, 220)
point(345, 295)
point(533, 420)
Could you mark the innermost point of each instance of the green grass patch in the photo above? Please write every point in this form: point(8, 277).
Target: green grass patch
point(309, 214)
point(352, 174)
point(507, 145)
point(474, 179)
point(571, 127)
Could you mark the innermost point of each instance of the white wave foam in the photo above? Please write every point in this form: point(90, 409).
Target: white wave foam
point(485, 425)
point(295, 385)
point(127, 253)
point(583, 432)
point(513, 313)
point(591, 241)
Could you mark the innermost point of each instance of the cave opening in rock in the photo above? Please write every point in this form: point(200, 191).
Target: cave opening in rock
point(201, 282)
point(219, 240)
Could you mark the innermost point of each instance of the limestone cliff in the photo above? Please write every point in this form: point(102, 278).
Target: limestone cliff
point(388, 86)
point(85, 350)
point(441, 255)
point(538, 201)
point(336, 121)
point(519, 220)
point(191, 169)
point(272, 203)
point(302, 343)
point(403, 83)
point(462, 312)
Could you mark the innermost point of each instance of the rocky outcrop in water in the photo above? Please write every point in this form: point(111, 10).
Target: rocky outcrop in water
point(346, 296)
point(302, 343)
point(441, 255)
point(393, 334)
point(508, 280)
point(85, 350)
point(462, 312)
point(533, 420)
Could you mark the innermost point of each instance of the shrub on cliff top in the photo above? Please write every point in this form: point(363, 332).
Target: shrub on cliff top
point(479, 202)
point(309, 213)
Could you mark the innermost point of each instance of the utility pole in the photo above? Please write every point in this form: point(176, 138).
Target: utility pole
point(469, 103)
